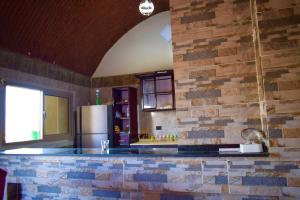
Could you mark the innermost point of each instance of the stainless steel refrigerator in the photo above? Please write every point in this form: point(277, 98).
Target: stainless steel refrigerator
point(93, 124)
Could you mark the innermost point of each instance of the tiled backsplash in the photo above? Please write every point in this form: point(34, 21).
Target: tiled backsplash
point(150, 120)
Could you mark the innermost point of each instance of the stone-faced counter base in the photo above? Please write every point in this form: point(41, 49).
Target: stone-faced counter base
point(84, 177)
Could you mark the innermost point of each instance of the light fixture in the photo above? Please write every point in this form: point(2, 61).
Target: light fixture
point(146, 7)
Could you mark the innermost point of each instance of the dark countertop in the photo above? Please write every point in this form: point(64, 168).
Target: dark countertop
point(125, 152)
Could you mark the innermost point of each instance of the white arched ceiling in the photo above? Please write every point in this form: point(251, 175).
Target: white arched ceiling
point(142, 49)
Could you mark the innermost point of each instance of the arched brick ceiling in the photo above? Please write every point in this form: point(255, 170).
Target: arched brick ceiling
point(74, 34)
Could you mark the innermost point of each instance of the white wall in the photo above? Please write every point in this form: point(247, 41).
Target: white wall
point(142, 49)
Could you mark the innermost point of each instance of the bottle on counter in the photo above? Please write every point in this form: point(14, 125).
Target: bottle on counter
point(152, 138)
point(170, 137)
point(98, 99)
point(175, 137)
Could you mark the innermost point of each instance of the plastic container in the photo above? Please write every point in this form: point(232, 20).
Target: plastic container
point(251, 148)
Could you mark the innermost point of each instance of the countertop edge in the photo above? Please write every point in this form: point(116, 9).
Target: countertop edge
point(264, 154)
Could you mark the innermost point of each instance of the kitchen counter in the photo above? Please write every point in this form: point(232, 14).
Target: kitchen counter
point(125, 152)
point(91, 174)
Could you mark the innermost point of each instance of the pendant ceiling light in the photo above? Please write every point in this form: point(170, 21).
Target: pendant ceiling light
point(146, 7)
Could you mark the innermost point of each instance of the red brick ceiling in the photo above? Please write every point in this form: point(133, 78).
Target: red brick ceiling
point(72, 33)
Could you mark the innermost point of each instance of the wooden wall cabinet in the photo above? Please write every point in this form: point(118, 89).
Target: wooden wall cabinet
point(125, 123)
point(157, 91)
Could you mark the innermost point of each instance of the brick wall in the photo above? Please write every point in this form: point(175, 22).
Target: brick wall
point(279, 29)
point(215, 70)
point(77, 177)
point(236, 66)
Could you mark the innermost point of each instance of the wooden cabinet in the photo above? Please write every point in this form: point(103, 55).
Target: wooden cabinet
point(125, 116)
point(157, 91)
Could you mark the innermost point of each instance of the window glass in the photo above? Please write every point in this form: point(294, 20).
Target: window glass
point(165, 101)
point(164, 84)
point(23, 114)
point(148, 86)
point(56, 115)
point(149, 101)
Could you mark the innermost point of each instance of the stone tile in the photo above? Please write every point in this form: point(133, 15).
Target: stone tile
point(203, 94)
point(161, 178)
point(177, 197)
point(106, 193)
point(291, 20)
point(268, 181)
point(200, 17)
point(206, 134)
point(221, 180)
point(166, 165)
point(291, 132)
point(200, 55)
point(275, 133)
point(48, 189)
point(80, 175)
point(261, 162)
point(294, 181)
point(25, 172)
point(285, 167)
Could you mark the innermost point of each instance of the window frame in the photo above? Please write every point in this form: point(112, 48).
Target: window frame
point(46, 92)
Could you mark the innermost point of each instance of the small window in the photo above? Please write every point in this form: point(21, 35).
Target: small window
point(36, 114)
point(23, 114)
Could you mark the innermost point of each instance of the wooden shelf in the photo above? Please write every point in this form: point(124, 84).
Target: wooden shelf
point(125, 116)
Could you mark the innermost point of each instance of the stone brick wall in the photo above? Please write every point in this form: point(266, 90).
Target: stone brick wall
point(279, 30)
point(215, 70)
point(77, 177)
point(236, 66)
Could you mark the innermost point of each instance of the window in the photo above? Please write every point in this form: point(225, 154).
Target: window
point(56, 115)
point(23, 114)
point(36, 114)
